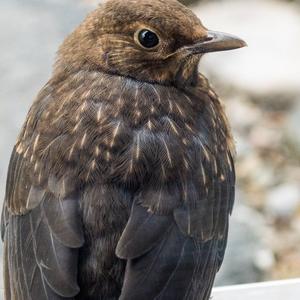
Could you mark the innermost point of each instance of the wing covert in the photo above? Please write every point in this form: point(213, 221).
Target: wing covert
point(42, 234)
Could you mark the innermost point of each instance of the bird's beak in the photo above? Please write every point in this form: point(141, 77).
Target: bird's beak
point(217, 41)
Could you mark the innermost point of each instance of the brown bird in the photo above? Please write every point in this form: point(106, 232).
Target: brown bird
point(122, 180)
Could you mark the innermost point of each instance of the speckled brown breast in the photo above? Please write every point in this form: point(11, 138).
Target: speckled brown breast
point(95, 127)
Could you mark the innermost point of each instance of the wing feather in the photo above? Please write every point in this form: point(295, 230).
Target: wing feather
point(175, 253)
point(146, 227)
point(42, 234)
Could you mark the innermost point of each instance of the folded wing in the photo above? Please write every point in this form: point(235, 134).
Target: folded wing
point(42, 233)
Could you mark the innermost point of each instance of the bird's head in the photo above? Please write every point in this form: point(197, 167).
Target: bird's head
point(158, 41)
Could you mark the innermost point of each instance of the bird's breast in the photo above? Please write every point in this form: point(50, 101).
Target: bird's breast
point(114, 129)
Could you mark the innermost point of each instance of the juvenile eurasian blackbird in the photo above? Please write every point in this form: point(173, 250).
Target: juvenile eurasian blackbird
point(121, 182)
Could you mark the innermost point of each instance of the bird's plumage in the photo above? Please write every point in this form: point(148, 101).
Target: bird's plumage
point(118, 187)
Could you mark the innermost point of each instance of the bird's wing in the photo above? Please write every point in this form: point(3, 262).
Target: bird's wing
point(176, 255)
point(42, 233)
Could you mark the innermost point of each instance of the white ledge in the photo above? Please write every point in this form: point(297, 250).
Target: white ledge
point(273, 290)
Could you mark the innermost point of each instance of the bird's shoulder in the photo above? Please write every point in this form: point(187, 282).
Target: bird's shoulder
point(95, 126)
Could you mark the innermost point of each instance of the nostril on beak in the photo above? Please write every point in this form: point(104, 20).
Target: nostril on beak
point(207, 38)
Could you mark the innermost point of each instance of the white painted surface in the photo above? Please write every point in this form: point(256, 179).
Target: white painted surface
point(275, 290)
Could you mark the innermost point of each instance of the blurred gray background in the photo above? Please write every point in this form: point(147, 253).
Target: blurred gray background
point(260, 87)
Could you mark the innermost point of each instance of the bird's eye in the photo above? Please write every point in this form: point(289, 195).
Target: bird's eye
point(147, 38)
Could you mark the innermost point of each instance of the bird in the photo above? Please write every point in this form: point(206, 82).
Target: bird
point(121, 182)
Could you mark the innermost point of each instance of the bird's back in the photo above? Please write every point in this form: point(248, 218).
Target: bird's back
point(124, 144)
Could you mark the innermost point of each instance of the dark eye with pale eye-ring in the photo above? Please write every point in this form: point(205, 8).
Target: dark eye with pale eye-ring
point(147, 38)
